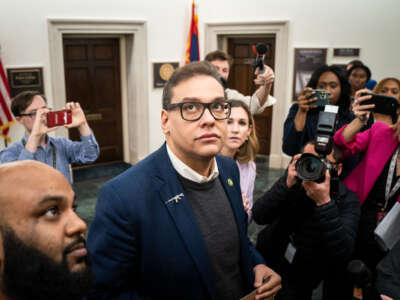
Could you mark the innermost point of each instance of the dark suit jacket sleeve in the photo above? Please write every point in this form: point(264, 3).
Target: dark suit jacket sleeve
point(292, 139)
point(112, 245)
point(255, 257)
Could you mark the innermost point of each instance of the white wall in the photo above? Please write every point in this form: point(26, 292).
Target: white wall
point(373, 26)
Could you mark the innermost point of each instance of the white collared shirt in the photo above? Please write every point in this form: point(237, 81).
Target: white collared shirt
point(188, 173)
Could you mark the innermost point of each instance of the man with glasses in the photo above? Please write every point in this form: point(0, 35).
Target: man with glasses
point(173, 226)
point(311, 233)
point(29, 109)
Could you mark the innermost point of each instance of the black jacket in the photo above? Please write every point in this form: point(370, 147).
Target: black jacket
point(324, 236)
point(388, 274)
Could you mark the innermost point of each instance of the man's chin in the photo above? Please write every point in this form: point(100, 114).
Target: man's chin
point(77, 267)
point(209, 151)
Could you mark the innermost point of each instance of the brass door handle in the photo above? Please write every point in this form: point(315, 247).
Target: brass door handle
point(94, 117)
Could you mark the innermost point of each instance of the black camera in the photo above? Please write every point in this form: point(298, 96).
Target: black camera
point(311, 167)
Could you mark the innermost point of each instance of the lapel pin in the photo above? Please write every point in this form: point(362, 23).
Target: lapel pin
point(230, 182)
point(176, 198)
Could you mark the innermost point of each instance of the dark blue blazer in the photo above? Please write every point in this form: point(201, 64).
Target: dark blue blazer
point(144, 246)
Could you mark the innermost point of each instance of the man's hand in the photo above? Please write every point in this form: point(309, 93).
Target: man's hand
point(39, 127)
point(319, 192)
point(386, 297)
point(78, 119)
point(271, 286)
point(39, 130)
point(291, 179)
point(267, 78)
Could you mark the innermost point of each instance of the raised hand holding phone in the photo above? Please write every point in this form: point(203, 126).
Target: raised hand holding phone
point(78, 118)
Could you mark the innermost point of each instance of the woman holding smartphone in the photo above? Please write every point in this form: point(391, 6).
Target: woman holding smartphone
point(389, 86)
point(301, 123)
point(241, 143)
point(376, 179)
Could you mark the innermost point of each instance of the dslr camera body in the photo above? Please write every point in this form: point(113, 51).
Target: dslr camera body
point(311, 167)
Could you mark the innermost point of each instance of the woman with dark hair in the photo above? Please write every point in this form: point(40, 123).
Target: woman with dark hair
point(241, 143)
point(301, 123)
point(358, 77)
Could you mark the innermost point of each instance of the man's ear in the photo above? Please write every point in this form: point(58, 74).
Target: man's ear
point(19, 120)
point(164, 122)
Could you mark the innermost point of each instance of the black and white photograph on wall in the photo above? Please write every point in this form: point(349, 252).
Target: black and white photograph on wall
point(306, 61)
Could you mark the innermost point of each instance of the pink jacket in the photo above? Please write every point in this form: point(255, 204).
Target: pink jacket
point(379, 145)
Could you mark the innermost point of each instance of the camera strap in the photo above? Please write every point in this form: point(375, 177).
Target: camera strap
point(389, 193)
point(53, 150)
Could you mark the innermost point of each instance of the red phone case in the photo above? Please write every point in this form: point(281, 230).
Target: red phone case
point(60, 117)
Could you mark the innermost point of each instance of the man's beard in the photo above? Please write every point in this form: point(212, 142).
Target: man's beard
point(30, 274)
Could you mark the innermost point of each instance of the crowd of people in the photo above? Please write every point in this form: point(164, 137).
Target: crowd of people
point(174, 226)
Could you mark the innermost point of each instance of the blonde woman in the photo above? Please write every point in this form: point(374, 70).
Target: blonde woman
point(388, 86)
point(241, 143)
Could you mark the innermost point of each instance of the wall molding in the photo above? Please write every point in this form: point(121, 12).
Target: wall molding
point(214, 31)
point(134, 83)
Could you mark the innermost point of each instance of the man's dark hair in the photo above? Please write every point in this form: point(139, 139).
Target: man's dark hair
point(219, 55)
point(337, 152)
point(345, 98)
point(21, 101)
point(186, 72)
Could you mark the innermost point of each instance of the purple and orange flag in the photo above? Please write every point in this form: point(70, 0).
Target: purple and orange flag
point(192, 49)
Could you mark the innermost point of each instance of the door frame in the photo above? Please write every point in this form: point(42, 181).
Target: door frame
point(216, 35)
point(134, 74)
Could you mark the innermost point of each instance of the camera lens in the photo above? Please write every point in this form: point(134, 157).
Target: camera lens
point(310, 167)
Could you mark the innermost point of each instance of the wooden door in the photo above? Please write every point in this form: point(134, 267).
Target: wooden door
point(92, 78)
point(242, 75)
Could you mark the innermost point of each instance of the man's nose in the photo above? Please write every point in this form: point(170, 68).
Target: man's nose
point(207, 117)
point(75, 225)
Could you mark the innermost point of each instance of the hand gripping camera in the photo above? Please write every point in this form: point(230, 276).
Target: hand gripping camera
point(311, 167)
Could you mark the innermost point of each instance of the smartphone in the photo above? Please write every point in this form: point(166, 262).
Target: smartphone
point(322, 97)
point(383, 104)
point(60, 117)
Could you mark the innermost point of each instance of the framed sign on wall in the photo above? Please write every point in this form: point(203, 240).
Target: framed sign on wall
point(346, 52)
point(162, 72)
point(306, 61)
point(25, 79)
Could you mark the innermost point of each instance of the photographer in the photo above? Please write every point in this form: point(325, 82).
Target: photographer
point(30, 110)
point(301, 123)
point(261, 98)
point(312, 233)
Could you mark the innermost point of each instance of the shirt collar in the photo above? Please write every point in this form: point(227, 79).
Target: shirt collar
point(188, 173)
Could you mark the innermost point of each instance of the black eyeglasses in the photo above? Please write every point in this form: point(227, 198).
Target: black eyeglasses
point(31, 114)
point(193, 111)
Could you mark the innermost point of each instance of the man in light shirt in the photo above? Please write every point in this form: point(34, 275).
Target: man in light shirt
point(173, 226)
point(261, 97)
